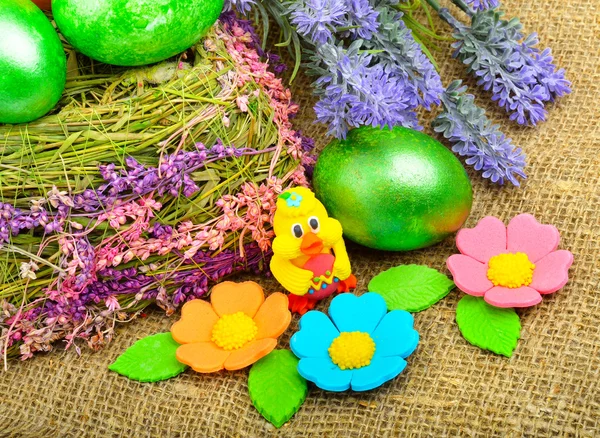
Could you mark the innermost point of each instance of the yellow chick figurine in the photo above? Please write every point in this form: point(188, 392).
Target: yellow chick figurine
point(309, 254)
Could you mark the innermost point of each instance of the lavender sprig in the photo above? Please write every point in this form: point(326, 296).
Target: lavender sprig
point(121, 285)
point(362, 18)
point(242, 6)
point(379, 80)
point(520, 77)
point(475, 137)
point(481, 5)
point(172, 177)
point(356, 92)
point(318, 20)
point(402, 56)
point(541, 67)
point(14, 220)
point(84, 257)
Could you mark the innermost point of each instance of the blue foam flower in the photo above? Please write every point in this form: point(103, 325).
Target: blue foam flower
point(293, 200)
point(393, 335)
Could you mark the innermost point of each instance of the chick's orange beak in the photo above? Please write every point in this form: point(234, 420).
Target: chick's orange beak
point(311, 244)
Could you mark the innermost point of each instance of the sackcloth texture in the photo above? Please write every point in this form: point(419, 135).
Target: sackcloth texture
point(549, 387)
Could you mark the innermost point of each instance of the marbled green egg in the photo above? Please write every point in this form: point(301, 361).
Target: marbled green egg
point(394, 190)
point(134, 32)
point(32, 62)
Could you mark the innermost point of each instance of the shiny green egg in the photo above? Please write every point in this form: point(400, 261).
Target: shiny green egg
point(395, 190)
point(134, 32)
point(33, 65)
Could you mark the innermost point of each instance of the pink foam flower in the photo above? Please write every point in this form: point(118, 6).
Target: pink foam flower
point(510, 266)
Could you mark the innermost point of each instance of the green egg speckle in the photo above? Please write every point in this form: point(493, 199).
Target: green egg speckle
point(395, 190)
point(134, 32)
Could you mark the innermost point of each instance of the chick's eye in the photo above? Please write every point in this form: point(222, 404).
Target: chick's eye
point(297, 230)
point(313, 222)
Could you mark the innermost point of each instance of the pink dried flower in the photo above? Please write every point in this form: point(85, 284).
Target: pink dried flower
point(28, 270)
point(112, 303)
point(242, 103)
point(56, 198)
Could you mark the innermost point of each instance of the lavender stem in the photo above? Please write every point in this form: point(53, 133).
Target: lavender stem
point(465, 8)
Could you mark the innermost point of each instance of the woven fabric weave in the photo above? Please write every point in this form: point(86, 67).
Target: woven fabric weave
point(550, 387)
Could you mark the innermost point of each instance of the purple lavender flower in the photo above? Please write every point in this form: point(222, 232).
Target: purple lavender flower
point(172, 176)
point(84, 254)
point(363, 17)
point(473, 136)
point(540, 66)
point(14, 220)
point(185, 285)
point(115, 282)
point(308, 143)
point(519, 76)
point(403, 57)
point(385, 102)
point(354, 92)
point(317, 20)
point(7, 216)
point(333, 109)
point(242, 6)
point(195, 283)
point(480, 5)
point(374, 82)
point(160, 231)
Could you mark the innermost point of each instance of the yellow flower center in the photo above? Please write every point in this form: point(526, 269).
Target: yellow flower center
point(510, 270)
point(234, 331)
point(352, 350)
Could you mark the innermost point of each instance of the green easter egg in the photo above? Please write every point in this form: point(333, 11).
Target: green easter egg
point(32, 62)
point(394, 190)
point(134, 32)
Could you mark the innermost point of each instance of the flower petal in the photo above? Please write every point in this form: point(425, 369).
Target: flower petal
point(469, 274)
point(351, 313)
point(395, 336)
point(379, 371)
point(196, 323)
point(552, 272)
point(325, 374)
point(316, 334)
point(273, 317)
point(526, 234)
point(203, 357)
point(250, 353)
point(229, 297)
point(523, 296)
point(486, 240)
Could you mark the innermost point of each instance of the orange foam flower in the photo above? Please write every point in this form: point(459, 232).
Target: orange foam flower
point(234, 330)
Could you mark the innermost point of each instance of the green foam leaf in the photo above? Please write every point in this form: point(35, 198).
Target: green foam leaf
point(488, 327)
point(276, 389)
point(150, 359)
point(411, 287)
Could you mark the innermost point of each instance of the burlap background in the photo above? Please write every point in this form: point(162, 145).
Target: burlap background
point(548, 388)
